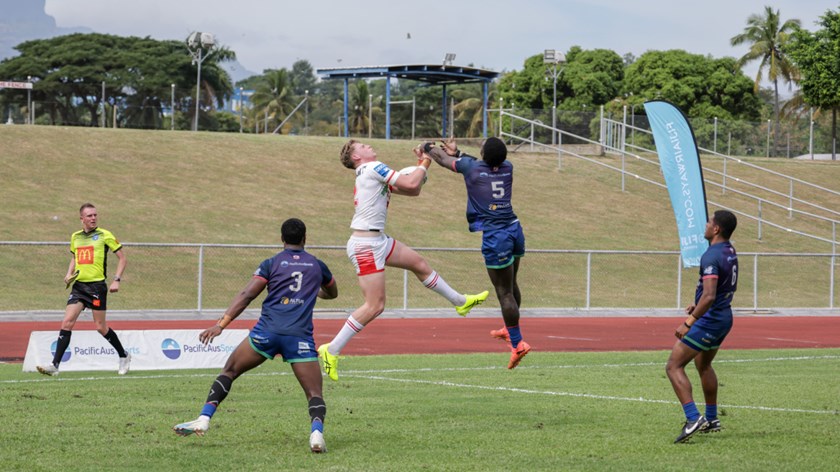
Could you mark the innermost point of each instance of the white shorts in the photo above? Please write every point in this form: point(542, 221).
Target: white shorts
point(369, 254)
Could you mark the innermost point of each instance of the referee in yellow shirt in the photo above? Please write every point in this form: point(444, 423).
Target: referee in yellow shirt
point(87, 270)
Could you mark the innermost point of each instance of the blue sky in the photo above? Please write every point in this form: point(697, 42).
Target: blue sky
point(493, 35)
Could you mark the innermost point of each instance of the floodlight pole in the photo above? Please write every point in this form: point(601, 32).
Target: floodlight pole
point(370, 115)
point(240, 109)
point(199, 41)
point(554, 58)
point(172, 108)
point(197, 90)
point(29, 101)
point(103, 103)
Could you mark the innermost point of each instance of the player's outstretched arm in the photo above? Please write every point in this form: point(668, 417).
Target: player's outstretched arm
point(240, 302)
point(411, 184)
point(441, 157)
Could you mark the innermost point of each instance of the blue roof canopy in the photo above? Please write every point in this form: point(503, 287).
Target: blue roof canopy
point(432, 74)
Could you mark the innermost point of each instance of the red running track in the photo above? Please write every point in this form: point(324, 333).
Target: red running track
point(451, 335)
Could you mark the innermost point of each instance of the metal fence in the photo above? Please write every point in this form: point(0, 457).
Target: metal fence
point(200, 277)
point(805, 136)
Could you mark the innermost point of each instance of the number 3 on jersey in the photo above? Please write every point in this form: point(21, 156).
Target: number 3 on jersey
point(298, 276)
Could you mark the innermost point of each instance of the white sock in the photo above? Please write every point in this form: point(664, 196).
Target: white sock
point(436, 283)
point(351, 328)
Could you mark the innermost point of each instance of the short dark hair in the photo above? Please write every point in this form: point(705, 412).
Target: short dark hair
point(494, 152)
point(726, 221)
point(85, 205)
point(293, 231)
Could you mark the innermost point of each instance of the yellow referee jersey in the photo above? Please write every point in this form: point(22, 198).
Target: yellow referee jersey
point(91, 253)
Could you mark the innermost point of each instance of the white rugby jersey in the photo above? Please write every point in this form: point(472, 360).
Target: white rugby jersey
point(371, 195)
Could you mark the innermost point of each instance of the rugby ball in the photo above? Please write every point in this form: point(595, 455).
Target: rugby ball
point(410, 169)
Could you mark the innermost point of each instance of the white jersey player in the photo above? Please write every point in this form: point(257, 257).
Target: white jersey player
point(370, 249)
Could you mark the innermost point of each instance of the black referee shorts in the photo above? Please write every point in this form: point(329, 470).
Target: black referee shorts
point(93, 295)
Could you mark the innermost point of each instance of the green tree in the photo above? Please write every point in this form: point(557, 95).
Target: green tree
point(767, 35)
point(526, 88)
point(588, 77)
point(302, 77)
point(468, 111)
point(591, 77)
point(816, 55)
point(138, 73)
point(273, 97)
point(699, 85)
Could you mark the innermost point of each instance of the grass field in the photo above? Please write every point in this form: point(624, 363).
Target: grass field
point(558, 411)
point(182, 187)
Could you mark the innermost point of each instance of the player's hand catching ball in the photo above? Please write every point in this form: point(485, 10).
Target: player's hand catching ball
point(450, 147)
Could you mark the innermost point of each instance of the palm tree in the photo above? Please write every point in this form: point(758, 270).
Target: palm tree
point(273, 95)
point(767, 36)
point(359, 112)
point(469, 109)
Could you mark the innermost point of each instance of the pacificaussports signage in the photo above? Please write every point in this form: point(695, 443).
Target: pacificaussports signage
point(149, 349)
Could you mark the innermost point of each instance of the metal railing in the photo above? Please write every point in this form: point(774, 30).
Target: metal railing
point(613, 140)
point(196, 277)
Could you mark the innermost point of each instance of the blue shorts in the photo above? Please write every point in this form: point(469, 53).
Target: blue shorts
point(703, 338)
point(291, 348)
point(501, 246)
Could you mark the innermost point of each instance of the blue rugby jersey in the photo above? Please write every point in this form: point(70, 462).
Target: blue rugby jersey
point(294, 279)
point(489, 192)
point(720, 261)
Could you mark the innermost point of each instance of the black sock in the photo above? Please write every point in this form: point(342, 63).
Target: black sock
point(317, 409)
point(219, 390)
point(112, 338)
point(61, 345)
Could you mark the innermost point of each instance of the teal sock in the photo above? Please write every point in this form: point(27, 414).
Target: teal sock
point(711, 412)
point(691, 412)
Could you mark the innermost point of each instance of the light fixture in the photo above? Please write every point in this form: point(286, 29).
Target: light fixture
point(197, 42)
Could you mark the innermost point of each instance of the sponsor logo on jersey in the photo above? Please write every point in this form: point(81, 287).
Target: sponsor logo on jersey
point(709, 270)
point(284, 263)
point(291, 301)
point(96, 237)
point(84, 255)
point(382, 169)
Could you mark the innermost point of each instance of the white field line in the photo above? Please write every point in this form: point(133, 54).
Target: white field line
point(40, 379)
point(444, 383)
point(366, 375)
